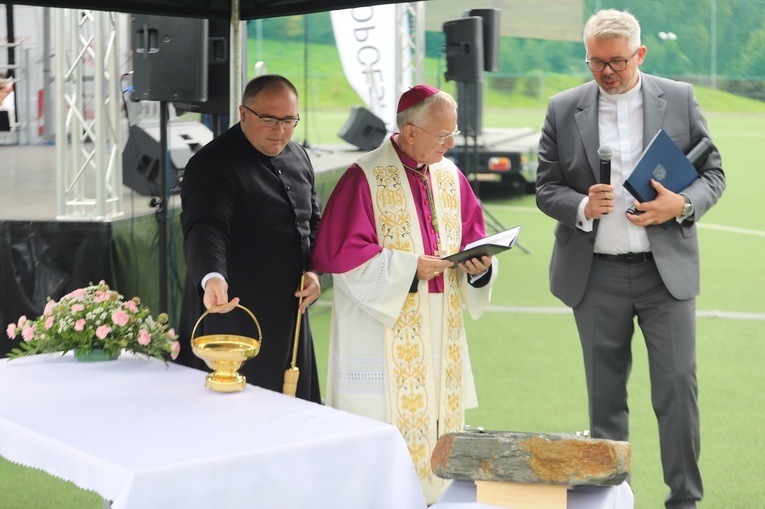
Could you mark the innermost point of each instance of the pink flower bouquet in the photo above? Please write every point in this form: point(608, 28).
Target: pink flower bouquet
point(95, 318)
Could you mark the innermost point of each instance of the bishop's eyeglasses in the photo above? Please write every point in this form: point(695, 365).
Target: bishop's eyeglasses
point(265, 121)
point(441, 139)
point(616, 65)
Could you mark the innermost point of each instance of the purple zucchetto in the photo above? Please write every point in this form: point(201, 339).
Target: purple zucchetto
point(415, 95)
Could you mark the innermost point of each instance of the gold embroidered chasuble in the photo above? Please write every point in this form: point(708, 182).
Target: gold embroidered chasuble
point(411, 392)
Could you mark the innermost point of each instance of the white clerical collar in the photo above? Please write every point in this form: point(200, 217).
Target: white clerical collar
point(626, 95)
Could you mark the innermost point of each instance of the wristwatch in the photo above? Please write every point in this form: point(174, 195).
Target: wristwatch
point(687, 209)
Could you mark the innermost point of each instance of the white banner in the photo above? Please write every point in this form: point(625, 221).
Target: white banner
point(366, 41)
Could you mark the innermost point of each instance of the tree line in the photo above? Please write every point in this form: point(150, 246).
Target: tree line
point(685, 39)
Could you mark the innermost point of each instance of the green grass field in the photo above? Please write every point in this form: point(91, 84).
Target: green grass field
point(527, 360)
point(525, 350)
point(526, 356)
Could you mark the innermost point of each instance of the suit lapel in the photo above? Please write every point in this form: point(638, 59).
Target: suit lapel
point(654, 108)
point(587, 118)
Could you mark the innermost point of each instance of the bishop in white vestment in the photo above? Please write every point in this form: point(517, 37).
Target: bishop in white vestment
point(398, 351)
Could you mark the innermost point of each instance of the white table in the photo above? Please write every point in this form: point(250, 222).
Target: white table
point(145, 435)
point(462, 495)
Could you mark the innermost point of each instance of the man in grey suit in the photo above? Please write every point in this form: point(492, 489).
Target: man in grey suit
point(610, 265)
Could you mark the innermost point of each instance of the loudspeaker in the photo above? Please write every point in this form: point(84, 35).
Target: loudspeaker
point(363, 129)
point(464, 49)
point(491, 32)
point(217, 102)
point(169, 58)
point(140, 159)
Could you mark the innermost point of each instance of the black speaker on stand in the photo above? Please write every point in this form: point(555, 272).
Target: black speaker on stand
point(491, 31)
point(169, 58)
point(472, 46)
point(464, 49)
point(169, 64)
point(214, 110)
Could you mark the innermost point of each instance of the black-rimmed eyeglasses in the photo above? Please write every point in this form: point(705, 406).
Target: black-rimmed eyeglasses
point(441, 139)
point(286, 123)
point(616, 65)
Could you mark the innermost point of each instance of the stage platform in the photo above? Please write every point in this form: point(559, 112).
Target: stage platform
point(42, 256)
point(28, 181)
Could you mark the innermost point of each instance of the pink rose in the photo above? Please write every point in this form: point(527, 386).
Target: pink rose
point(175, 349)
point(131, 306)
point(77, 308)
point(76, 294)
point(28, 334)
point(22, 321)
point(120, 318)
point(48, 322)
point(11, 330)
point(100, 296)
point(144, 338)
point(79, 325)
point(171, 333)
point(102, 331)
point(49, 307)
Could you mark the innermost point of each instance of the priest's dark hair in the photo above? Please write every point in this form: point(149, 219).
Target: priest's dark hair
point(257, 85)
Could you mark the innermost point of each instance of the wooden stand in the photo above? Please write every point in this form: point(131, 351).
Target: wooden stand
point(514, 495)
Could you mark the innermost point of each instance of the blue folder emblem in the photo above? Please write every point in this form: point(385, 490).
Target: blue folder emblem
point(659, 173)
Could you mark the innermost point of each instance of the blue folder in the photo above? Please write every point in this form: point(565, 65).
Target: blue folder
point(664, 162)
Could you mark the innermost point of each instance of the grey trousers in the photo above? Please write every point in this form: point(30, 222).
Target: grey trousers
point(616, 293)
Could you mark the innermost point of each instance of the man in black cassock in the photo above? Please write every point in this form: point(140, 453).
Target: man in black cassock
point(249, 221)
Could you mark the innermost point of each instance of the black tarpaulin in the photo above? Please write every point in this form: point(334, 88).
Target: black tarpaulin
point(249, 9)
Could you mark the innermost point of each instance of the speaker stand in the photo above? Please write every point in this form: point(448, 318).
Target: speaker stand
point(160, 202)
point(469, 101)
point(216, 122)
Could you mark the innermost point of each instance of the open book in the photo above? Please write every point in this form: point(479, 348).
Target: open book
point(489, 245)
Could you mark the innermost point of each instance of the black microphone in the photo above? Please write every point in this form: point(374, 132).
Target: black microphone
point(605, 152)
point(699, 153)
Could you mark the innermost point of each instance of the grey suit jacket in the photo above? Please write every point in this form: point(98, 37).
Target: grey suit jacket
point(569, 165)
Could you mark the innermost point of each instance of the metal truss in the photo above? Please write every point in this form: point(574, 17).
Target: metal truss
point(411, 45)
point(87, 101)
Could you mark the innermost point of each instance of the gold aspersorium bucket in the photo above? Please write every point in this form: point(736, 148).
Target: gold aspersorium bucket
point(225, 354)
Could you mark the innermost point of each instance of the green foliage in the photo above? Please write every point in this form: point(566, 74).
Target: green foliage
point(531, 70)
point(709, 32)
point(736, 25)
point(751, 61)
point(294, 28)
point(94, 318)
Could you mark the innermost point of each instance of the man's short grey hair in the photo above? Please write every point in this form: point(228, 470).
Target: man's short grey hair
point(416, 114)
point(610, 24)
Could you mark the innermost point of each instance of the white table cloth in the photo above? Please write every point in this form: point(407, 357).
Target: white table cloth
point(145, 435)
point(462, 495)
